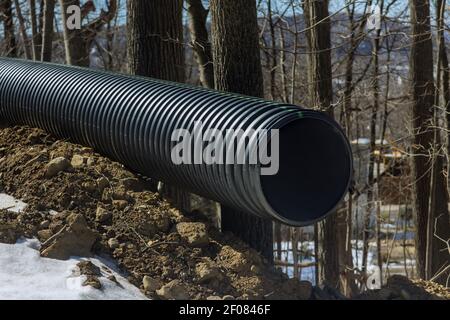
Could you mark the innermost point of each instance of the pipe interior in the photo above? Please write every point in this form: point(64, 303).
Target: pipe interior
point(314, 172)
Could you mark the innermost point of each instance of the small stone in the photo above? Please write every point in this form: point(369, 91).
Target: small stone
point(78, 161)
point(132, 184)
point(147, 229)
point(213, 298)
point(86, 150)
point(234, 259)
point(89, 186)
point(94, 282)
point(44, 224)
point(151, 284)
point(44, 235)
point(113, 279)
point(57, 165)
point(59, 216)
point(92, 273)
point(163, 224)
point(120, 195)
point(113, 243)
point(76, 239)
point(255, 269)
point(90, 162)
point(87, 268)
point(174, 290)
point(206, 271)
point(102, 184)
point(102, 215)
point(120, 204)
point(194, 233)
point(33, 138)
point(228, 297)
point(8, 233)
point(55, 226)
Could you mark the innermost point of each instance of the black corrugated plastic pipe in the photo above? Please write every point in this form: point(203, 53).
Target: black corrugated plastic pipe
point(131, 119)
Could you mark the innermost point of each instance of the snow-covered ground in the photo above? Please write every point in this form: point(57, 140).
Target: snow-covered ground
point(24, 275)
point(10, 203)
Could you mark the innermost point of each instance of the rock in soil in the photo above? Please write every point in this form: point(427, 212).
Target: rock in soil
point(78, 161)
point(207, 271)
point(102, 215)
point(74, 239)
point(44, 235)
point(113, 243)
point(194, 233)
point(174, 290)
point(8, 233)
point(151, 284)
point(57, 165)
point(92, 273)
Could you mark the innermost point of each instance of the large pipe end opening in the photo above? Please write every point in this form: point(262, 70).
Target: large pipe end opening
point(314, 174)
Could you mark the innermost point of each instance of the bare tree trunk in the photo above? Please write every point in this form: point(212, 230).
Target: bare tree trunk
point(295, 255)
point(237, 61)
point(155, 39)
point(278, 239)
point(423, 92)
point(321, 93)
point(111, 32)
point(295, 53)
point(47, 34)
point(376, 108)
point(345, 251)
point(284, 80)
point(200, 42)
point(23, 30)
point(273, 52)
point(36, 39)
point(155, 49)
point(237, 68)
point(440, 225)
point(372, 161)
point(8, 28)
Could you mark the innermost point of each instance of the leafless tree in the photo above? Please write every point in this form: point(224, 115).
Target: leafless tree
point(47, 30)
point(237, 68)
point(200, 41)
point(8, 28)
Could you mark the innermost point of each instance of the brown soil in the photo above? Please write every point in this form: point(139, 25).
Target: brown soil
point(135, 225)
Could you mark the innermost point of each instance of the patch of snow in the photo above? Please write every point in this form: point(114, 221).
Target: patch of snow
point(10, 203)
point(361, 141)
point(25, 275)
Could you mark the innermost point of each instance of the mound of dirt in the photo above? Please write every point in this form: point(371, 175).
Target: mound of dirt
point(166, 254)
point(401, 288)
